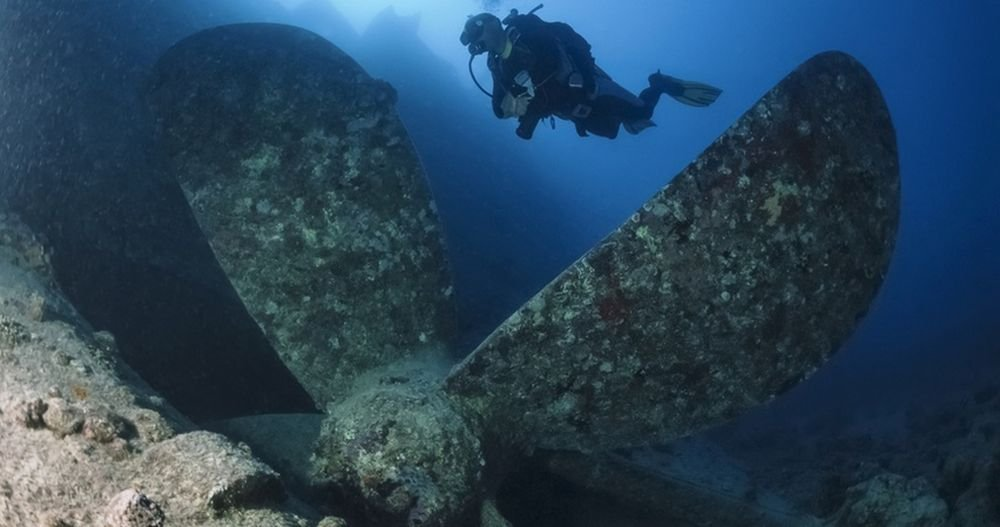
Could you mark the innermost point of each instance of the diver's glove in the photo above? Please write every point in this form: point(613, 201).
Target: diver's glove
point(512, 106)
point(515, 102)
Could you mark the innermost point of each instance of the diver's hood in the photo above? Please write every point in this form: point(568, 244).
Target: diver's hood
point(483, 32)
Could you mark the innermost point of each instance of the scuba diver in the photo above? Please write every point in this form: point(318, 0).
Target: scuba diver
point(544, 69)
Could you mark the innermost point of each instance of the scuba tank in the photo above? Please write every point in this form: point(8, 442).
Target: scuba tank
point(513, 13)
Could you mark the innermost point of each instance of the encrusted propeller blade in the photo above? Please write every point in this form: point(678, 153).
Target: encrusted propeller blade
point(725, 289)
point(310, 193)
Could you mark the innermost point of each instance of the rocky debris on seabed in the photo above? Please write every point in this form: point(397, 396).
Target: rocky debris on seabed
point(84, 442)
point(29, 413)
point(131, 508)
point(890, 500)
point(204, 460)
point(950, 441)
point(62, 417)
point(690, 481)
point(332, 521)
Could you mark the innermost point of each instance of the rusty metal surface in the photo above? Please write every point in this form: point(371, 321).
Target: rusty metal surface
point(311, 195)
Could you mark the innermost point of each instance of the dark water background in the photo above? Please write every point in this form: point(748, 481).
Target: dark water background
point(516, 213)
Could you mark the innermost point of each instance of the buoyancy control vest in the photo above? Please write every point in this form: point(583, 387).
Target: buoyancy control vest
point(576, 64)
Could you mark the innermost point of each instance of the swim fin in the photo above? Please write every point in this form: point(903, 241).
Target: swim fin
point(687, 92)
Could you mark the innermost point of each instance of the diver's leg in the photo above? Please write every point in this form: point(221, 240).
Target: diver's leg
point(614, 100)
point(615, 106)
point(650, 97)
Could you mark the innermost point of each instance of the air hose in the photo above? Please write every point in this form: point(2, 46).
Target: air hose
point(475, 80)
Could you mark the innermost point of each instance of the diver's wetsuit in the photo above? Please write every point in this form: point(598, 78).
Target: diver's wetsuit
point(600, 106)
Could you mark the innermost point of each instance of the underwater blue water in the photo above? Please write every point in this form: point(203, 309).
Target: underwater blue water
point(516, 212)
point(936, 323)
